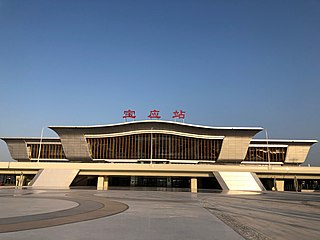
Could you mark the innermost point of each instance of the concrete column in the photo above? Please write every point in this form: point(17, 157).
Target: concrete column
point(17, 181)
point(22, 180)
point(102, 183)
point(280, 185)
point(194, 187)
point(105, 183)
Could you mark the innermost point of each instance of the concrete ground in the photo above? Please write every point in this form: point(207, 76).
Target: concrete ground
point(124, 214)
point(273, 215)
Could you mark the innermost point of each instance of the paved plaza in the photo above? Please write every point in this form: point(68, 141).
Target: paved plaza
point(127, 214)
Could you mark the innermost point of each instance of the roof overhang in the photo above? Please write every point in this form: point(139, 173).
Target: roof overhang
point(283, 142)
point(156, 125)
point(158, 122)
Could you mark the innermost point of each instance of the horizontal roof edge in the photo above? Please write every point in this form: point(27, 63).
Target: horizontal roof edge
point(285, 140)
point(30, 138)
point(161, 121)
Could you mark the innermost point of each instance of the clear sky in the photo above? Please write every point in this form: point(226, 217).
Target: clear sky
point(226, 63)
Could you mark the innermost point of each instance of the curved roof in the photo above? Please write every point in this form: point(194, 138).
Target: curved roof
point(155, 125)
point(161, 122)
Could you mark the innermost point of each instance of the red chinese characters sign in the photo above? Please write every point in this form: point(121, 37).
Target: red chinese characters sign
point(154, 114)
point(129, 114)
point(179, 114)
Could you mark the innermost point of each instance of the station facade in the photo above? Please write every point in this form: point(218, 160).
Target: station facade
point(158, 142)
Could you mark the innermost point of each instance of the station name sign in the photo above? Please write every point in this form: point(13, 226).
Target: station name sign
point(153, 114)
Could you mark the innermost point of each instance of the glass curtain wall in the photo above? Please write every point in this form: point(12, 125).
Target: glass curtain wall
point(260, 154)
point(155, 146)
point(48, 151)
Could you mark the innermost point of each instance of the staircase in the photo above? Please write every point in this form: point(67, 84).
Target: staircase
point(239, 181)
point(54, 178)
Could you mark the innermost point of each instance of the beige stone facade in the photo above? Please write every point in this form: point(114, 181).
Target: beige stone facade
point(159, 149)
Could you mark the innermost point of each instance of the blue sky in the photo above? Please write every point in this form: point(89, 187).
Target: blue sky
point(226, 63)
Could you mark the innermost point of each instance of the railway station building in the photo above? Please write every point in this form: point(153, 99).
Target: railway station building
point(156, 153)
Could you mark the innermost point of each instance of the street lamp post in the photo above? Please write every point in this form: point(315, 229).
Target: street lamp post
point(268, 152)
point(40, 144)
